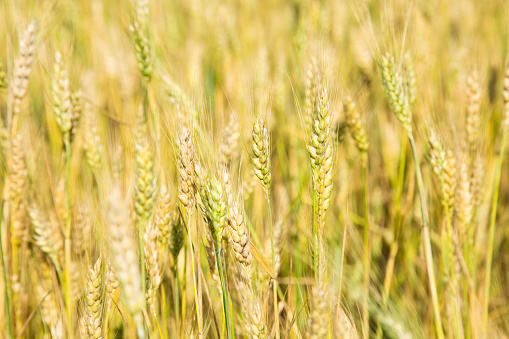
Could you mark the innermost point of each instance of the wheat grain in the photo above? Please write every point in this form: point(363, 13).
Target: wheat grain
point(239, 235)
point(18, 180)
point(163, 217)
point(23, 65)
point(61, 96)
point(93, 301)
point(186, 186)
point(229, 145)
point(145, 177)
point(394, 90)
point(357, 130)
point(473, 110)
point(317, 323)
point(261, 153)
point(47, 236)
point(410, 78)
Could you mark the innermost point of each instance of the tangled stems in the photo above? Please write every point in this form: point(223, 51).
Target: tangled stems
point(226, 304)
point(427, 241)
point(491, 239)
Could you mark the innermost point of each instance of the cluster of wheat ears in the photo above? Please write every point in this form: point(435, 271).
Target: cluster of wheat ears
point(254, 169)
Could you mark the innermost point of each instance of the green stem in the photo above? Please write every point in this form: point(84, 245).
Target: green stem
point(184, 293)
point(7, 304)
point(194, 274)
point(274, 282)
point(176, 298)
point(67, 244)
point(226, 304)
point(491, 239)
point(164, 311)
point(315, 239)
point(427, 242)
point(397, 221)
point(367, 252)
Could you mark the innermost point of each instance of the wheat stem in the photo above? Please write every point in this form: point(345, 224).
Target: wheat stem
point(67, 269)
point(194, 273)
point(274, 282)
point(7, 303)
point(491, 239)
point(226, 304)
point(367, 252)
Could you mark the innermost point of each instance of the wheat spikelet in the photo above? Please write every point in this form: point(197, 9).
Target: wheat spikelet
point(23, 65)
point(50, 311)
point(449, 175)
point(312, 91)
point(47, 236)
point(82, 325)
point(201, 180)
point(144, 169)
point(186, 186)
point(345, 327)
point(444, 167)
point(320, 134)
point(252, 314)
point(124, 256)
point(152, 260)
point(476, 181)
point(61, 96)
point(77, 110)
point(216, 205)
point(394, 90)
point(410, 78)
point(163, 217)
point(473, 113)
point(239, 235)
point(353, 120)
point(464, 203)
point(111, 284)
point(142, 49)
point(317, 322)
point(60, 200)
point(93, 301)
point(92, 139)
point(18, 180)
point(261, 153)
point(229, 145)
point(324, 184)
point(81, 231)
point(142, 12)
point(44, 288)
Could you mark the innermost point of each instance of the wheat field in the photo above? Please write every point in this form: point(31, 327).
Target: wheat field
point(254, 169)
